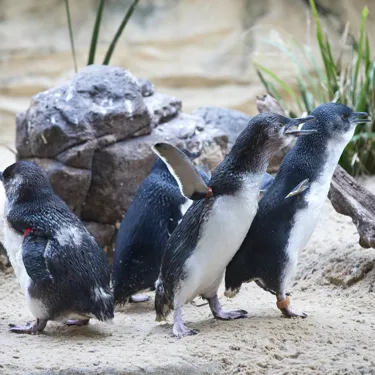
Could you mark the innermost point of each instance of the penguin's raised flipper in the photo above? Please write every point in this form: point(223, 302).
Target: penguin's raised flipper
point(300, 188)
point(188, 178)
point(33, 256)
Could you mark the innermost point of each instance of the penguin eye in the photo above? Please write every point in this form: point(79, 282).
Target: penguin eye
point(344, 116)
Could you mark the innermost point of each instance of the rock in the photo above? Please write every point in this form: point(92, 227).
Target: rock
point(162, 108)
point(100, 101)
point(93, 136)
point(230, 121)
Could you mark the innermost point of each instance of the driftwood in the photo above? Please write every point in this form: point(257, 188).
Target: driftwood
point(347, 196)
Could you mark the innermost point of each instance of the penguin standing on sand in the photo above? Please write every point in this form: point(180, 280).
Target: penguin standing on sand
point(290, 208)
point(213, 228)
point(58, 263)
point(153, 215)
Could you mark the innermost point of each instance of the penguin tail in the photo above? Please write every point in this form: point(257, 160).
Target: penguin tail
point(103, 303)
point(162, 301)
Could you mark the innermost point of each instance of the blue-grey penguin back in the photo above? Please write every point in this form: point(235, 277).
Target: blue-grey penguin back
point(150, 220)
point(69, 271)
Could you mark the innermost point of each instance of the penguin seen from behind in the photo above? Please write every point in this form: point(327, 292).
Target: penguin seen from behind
point(151, 218)
point(61, 269)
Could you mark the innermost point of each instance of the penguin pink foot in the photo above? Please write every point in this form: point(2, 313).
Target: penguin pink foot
point(77, 322)
point(283, 304)
point(31, 329)
point(139, 298)
point(179, 328)
point(219, 313)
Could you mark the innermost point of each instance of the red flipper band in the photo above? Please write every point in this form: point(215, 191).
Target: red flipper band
point(209, 193)
point(26, 232)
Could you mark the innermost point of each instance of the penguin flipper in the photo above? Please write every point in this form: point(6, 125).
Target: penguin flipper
point(33, 256)
point(188, 178)
point(300, 188)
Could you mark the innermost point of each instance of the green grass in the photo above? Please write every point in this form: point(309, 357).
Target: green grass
point(333, 79)
point(96, 30)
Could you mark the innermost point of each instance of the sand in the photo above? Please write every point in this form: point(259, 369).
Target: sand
point(334, 285)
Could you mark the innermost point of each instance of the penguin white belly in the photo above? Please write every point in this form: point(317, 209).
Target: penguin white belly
point(307, 218)
point(13, 244)
point(221, 236)
point(305, 222)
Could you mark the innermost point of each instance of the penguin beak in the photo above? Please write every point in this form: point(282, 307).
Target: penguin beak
point(292, 128)
point(359, 118)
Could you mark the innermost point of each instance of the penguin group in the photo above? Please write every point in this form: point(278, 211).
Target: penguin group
point(185, 231)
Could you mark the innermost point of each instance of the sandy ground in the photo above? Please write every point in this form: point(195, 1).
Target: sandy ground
point(334, 286)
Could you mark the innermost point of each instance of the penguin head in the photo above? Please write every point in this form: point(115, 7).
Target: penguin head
point(273, 131)
point(24, 180)
point(336, 121)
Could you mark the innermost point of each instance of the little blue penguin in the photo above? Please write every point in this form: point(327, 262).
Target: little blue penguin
point(61, 269)
point(215, 225)
point(290, 208)
point(152, 216)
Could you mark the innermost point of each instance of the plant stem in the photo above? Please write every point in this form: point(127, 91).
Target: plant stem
point(71, 35)
point(95, 33)
point(119, 32)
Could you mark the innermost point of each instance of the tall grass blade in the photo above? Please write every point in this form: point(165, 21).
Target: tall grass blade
point(281, 83)
point(270, 88)
point(119, 32)
point(367, 56)
point(95, 33)
point(321, 42)
point(71, 35)
point(359, 51)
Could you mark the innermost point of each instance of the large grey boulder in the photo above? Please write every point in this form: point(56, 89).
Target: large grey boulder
point(93, 136)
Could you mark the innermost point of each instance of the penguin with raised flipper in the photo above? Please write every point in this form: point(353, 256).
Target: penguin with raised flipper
point(215, 225)
point(61, 269)
point(290, 208)
point(151, 218)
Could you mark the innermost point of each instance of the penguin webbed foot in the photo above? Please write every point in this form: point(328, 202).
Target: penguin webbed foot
point(221, 314)
point(179, 328)
point(31, 329)
point(291, 313)
point(283, 304)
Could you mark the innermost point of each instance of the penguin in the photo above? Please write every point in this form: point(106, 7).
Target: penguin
point(290, 208)
point(215, 225)
point(154, 213)
point(60, 267)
